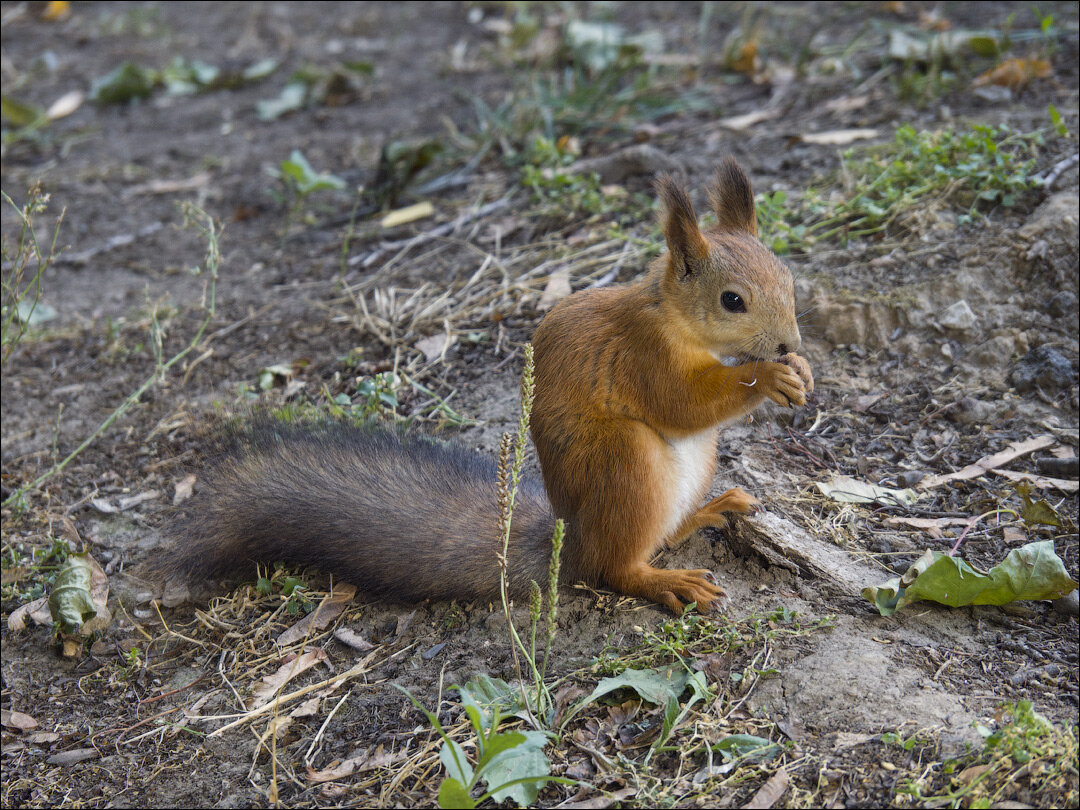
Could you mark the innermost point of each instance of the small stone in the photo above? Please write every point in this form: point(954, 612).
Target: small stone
point(1068, 605)
point(1042, 367)
point(909, 478)
point(1062, 305)
point(958, 317)
point(971, 411)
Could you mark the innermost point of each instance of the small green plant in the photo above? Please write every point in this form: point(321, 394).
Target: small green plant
point(540, 705)
point(1026, 748)
point(511, 764)
point(301, 180)
point(292, 589)
point(25, 261)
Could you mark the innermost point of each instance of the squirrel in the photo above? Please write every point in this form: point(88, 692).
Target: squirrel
point(631, 385)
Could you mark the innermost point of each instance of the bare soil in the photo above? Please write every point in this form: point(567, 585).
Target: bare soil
point(116, 733)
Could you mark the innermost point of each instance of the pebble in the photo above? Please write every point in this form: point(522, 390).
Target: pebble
point(1068, 605)
point(1042, 367)
point(1062, 305)
point(958, 317)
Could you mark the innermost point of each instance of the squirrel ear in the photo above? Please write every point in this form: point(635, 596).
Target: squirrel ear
point(732, 198)
point(685, 243)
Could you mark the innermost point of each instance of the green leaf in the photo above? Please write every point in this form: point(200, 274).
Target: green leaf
point(70, 602)
point(292, 97)
point(259, 70)
point(127, 82)
point(524, 760)
point(739, 746)
point(653, 685)
point(1033, 571)
point(20, 113)
point(452, 794)
point(456, 763)
point(673, 716)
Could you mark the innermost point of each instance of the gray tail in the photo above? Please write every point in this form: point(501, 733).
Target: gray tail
point(402, 517)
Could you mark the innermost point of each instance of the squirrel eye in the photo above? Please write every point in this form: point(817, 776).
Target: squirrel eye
point(732, 302)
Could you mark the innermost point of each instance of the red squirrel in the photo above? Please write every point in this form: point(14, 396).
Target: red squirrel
point(632, 383)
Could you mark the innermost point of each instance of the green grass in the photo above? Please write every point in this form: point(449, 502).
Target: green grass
point(968, 171)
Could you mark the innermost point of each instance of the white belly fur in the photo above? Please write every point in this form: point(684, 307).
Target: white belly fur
point(692, 463)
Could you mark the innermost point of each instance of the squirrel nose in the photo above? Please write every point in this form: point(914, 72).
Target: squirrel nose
point(783, 349)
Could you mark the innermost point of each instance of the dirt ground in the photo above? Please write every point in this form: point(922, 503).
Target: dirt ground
point(315, 297)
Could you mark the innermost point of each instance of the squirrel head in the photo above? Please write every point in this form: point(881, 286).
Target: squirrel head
point(726, 288)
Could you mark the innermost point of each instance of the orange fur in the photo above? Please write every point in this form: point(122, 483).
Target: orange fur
point(630, 388)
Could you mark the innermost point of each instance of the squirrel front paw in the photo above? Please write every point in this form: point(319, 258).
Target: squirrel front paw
point(801, 367)
point(788, 381)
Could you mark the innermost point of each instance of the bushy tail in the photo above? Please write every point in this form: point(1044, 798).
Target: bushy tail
point(402, 517)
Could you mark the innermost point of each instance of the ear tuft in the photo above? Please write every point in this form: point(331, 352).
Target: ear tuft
point(679, 222)
point(732, 198)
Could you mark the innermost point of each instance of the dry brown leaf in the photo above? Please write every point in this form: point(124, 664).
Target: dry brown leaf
point(328, 610)
point(769, 793)
point(367, 761)
point(353, 639)
point(1015, 73)
point(1041, 481)
point(838, 137)
point(37, 611)
point(746, 60)
point(270, 684)
point(435, 347)
point(988, 463)
point(17, 720)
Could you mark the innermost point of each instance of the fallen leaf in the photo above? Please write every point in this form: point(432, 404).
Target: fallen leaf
point(838, 137)
point(326, 611)
point(769, 793)
point(845, 489)
point(367, 761)
point(1031, 572)
point(988, 463)
point(746, 60)
point(1015, 73)
point(969, 775)
point(73, 756)
point(56, 10)
point(1040, 481)
point(17, 720)
point(353, 639)
point(435, 346)
point(184, 487)
point(409, 213)
point(78, 597)
point(265, 690)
